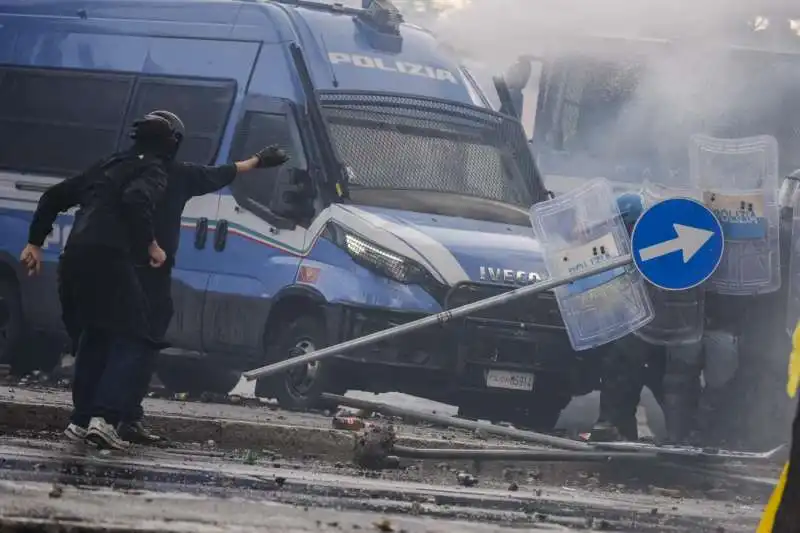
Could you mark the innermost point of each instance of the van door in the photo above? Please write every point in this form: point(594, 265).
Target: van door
point(204, 106)
point(257, 255)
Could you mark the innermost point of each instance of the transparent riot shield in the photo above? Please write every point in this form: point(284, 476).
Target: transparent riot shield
point(679, 315)
point(739, 179)
point(577, 230)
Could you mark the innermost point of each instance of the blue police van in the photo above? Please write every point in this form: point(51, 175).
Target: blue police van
point(406, 194)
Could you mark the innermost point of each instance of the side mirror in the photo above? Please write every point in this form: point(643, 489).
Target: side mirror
point(294, 195)
point(508, 106)
point(510, 85)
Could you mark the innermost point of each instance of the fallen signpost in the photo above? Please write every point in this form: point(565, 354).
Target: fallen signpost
point(434, 320)
point(460, 423)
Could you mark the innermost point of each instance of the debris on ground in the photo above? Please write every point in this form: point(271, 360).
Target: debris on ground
point(384, 526)
point(250, 457)
point(348, 423)
point(374, 445)
point(466, 479)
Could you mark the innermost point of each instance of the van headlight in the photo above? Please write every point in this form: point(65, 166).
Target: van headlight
point(379, 259)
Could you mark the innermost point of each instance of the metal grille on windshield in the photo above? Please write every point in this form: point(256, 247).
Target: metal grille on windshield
point(401, 142)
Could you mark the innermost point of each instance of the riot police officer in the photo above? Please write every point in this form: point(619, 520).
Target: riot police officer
point(628, 364)
point(103, 305)
point(185, 181)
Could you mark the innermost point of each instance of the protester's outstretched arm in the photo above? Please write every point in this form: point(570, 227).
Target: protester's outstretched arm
point(200, 179)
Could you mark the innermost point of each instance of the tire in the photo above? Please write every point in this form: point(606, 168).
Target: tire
point(195, 376)
point(22, 351)
point(299, 389)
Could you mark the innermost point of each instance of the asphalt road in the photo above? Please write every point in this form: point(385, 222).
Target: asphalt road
point(158, 490)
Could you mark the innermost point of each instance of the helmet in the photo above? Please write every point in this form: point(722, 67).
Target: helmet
point(630, 207)
point(160, 132)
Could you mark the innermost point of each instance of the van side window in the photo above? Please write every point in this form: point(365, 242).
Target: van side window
point(59, 122)
point(254, 190)
point(202, 105)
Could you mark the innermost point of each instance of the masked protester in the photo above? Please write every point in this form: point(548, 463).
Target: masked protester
point(184, 182)
point(103, 305)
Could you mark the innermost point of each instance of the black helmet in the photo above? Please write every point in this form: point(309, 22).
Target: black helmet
point(159, 131)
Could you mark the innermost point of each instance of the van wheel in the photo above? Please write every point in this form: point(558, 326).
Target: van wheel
point(300, 387)
point(195, 376)
point(24, 353)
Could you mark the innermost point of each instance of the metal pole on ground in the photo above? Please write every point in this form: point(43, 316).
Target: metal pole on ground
point(433, 320)
point(522, 454)
point(454, 422)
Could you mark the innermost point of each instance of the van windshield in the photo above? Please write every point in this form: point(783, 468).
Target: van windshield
point(399, 143)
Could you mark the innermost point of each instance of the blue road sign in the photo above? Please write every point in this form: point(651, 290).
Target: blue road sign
point(677, 244)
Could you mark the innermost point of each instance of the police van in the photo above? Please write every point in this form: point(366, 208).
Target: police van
point(406, 194)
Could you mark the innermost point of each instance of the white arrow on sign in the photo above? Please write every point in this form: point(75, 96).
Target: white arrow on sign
point(689, 241)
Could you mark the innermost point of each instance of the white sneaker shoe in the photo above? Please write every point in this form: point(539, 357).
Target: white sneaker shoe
point(75, 433)
point(103, 434)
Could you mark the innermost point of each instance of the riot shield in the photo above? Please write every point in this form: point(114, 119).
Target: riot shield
point(739, 180)
point(580, 229)
point(679, 315)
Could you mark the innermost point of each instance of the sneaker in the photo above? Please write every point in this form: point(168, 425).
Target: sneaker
point(136, 433)
point(103, 434)
point(75, 433)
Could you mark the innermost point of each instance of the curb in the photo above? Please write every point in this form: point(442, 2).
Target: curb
point(292, 441)
point(289, 441)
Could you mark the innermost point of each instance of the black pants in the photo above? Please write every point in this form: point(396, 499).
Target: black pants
point(105, 312)
point(629, 365)
point(157, 286)
point(103, 365)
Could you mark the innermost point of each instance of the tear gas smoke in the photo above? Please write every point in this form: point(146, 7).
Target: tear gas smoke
point(642, 99)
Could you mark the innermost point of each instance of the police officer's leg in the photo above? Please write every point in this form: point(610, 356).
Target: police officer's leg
point(622, 380)
point(681, 391)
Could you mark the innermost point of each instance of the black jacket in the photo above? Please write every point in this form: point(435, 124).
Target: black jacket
point(97, 282)
point(184, 181)
point(117, 199)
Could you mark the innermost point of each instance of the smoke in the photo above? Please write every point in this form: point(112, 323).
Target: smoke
point(626, 107)
point(641, 99)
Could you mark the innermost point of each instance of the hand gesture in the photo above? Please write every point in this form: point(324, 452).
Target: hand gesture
point(271, 156)
point(31, 259)
point(157, 256)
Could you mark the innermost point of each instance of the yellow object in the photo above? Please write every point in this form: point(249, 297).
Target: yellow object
point(794, 364)
point(768, 519)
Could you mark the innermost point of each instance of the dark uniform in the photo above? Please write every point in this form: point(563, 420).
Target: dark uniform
point(628, 365)
point(102, 301)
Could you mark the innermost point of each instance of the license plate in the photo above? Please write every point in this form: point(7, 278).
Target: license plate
point(501, 379)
